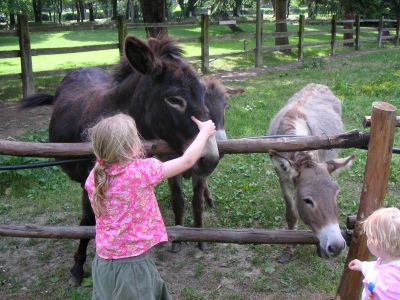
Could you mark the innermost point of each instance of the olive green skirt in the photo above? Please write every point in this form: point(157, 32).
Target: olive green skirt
point(133, 278)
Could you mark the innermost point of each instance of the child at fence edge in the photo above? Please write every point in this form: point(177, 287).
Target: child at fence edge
point(128, 220)
point(381, 277)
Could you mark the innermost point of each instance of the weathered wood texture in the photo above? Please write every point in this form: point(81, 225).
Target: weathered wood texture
point(259, 24)
point(372, 195)
point(122, 32)
point(176, 233)
point(300, 50)
point(357, 38)
point(352, 139)
point(205, 55)
point(26, 56)
point(333, 35)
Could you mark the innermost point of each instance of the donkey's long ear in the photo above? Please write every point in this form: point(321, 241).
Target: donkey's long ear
point(339, 163)
point(283, 166)
point(140, 56)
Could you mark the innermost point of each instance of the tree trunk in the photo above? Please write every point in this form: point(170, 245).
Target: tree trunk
point(311, 10)
point(37, 10)
point(127, 9)
point(153, 12)
point(348, 35)
point(236, 8)
point(224, 16)
point(115, 9)
point(78, 13)
point(189, 12)
point(91, 12)
point(12, 20)
point(82, 10)
point(281, 25)
point(60, 9)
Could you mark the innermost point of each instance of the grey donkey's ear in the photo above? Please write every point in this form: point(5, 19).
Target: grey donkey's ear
point(282, 165)
point(339, 163)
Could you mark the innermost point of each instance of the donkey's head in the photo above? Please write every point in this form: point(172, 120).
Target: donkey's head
point(166, 93)
point(316, 195)
point(216, 99)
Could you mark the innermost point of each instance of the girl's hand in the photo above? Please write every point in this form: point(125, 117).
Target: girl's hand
point(355, 265)
point(207, 126)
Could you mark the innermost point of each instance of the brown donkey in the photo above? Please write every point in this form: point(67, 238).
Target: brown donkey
point(305, 176)
point(154, 85)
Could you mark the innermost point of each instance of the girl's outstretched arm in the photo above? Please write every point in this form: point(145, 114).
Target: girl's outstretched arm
point(178, 165)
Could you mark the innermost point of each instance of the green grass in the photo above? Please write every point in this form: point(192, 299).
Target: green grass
point(245, 189)
point(107, 36)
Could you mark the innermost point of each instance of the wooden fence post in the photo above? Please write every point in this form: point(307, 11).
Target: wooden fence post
point(396, 39)
point(26, 57)
point(380, 32)
point(333, 35)
point(383, 124)
point(205, 47)
point(122, 32)
point(357, 40)
point(259, 25)
point(300, 50)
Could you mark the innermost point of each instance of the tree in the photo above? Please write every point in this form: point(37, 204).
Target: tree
point(280, 8)
point(37, 10)
point(153, 12)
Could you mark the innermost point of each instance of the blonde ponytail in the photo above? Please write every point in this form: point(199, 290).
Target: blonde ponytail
point(100, 182)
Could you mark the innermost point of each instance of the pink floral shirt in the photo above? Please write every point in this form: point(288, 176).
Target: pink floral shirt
point(131, 222)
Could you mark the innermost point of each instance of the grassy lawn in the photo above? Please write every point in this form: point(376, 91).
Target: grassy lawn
point(106, 36)
point(245, 189)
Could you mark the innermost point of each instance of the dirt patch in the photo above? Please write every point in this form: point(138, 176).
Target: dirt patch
point(16, 122)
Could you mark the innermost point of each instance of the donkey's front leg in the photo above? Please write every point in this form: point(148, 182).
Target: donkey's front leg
point(207, 195)
point(88, 219)
point(199, 186)
point(292, 217)
point(178, 206)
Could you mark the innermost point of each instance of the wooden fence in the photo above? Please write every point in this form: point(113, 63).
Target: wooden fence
point(25, 52)
point(383, 123)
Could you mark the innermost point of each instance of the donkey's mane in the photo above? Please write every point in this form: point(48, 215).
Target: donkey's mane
point(163, 47)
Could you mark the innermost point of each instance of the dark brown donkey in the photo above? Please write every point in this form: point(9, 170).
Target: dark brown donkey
point(154, 85)
point(216, 100)
point(306, 176)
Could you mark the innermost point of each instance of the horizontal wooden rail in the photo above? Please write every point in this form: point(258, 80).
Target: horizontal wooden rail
point(49, 73)
point(176, 233)
point(8, 33)
point(278, 48)
point(10, 53)
point(279, 34)
point(234, 146)
point(316, 44)
point(63, 50)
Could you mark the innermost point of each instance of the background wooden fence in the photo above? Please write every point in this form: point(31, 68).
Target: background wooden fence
point(25, 52)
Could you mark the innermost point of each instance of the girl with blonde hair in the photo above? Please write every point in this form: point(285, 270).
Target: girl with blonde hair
point(381, 277)
point(128, 220)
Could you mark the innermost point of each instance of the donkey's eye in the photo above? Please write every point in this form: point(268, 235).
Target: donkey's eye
point(309, 202)
point(175, 100)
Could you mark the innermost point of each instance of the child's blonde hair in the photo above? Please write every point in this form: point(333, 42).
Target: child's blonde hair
point(114, 140)
point(383, 228)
